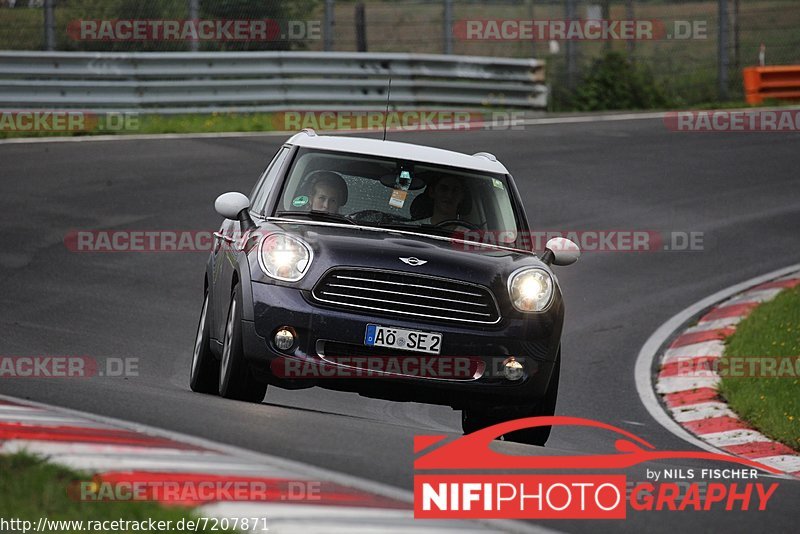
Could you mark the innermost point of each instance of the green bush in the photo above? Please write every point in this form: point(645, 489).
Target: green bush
point(612, 82)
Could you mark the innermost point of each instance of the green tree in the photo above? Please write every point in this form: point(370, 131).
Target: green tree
point(612, 82)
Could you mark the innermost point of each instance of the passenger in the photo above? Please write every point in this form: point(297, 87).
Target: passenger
point(447, 194)
point(328, 192)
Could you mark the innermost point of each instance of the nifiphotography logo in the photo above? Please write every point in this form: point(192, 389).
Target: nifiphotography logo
point(459, 487)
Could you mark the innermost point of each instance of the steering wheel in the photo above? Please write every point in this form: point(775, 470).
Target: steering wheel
point(458, 222)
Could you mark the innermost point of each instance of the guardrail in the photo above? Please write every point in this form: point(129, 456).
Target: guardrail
point(776, 82)
point(182, 82)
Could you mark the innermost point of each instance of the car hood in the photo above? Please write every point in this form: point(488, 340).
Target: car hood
point(337, 245)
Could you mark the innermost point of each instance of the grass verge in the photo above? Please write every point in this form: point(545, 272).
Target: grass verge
point(128, 124)
point(770, 403)
point(116, 123)
point(31, 488)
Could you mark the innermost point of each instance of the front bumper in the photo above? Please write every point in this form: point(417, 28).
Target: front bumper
point(532, 341)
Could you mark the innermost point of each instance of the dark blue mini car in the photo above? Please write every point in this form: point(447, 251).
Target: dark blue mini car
point(397, 271)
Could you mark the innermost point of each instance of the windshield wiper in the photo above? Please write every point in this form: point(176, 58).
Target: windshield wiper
point(398, 226)
point(317, 216)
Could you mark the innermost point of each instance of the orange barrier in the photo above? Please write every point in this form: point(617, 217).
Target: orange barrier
point(780, 82)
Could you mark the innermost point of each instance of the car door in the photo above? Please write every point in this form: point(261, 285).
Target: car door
point(224, 255)
point(226, 250)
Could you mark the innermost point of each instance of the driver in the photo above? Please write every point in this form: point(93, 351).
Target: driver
point(447, 194)
point(328, 192)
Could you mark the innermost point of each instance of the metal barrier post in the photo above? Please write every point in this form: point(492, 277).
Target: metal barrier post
point(49, 25)
point(722, 45)
point(194, 14)
point(327, 44)
point(570, 47)
point(361, 28)
point(448, 26)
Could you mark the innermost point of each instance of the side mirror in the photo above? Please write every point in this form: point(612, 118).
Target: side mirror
point(561, 251)
point(230, 205)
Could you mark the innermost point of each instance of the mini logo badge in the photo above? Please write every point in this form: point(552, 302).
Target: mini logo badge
point(413, 261)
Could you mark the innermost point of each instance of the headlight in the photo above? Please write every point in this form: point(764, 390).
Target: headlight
point(530, 289)
point(284, 257)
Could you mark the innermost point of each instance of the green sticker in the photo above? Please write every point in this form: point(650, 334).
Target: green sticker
point(497, 183)
point(300, 201)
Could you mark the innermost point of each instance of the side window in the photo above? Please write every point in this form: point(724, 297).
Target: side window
point(267, 180)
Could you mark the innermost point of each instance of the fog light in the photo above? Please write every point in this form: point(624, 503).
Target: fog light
point(284, 339)
point(512, 369)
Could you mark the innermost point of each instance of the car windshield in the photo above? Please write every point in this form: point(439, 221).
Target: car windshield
point(398, 194)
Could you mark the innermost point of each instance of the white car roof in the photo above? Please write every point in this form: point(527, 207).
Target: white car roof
point(375, 147)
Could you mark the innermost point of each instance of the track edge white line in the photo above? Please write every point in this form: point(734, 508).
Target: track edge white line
point(643, 369)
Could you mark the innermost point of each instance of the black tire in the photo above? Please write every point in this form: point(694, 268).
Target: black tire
point(204, 372)
point(473, 420)
point(236, 380)
point(547, 406)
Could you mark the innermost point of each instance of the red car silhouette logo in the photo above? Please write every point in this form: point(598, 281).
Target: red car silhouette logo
point(450, 491)
point(472, 451)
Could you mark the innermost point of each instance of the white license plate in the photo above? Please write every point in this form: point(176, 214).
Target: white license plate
point(400, 338)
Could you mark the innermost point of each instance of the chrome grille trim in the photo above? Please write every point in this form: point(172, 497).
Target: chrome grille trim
point(413, 295)
point(438, 299)
point(408, 285)
point(395, 302)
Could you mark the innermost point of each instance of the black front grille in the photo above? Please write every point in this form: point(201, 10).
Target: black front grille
point(396, 294)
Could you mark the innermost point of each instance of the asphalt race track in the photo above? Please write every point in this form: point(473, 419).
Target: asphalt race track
point(740, 189)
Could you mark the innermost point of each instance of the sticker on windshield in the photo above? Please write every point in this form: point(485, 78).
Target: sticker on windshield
point(398, 198)
point(497, 183)
point(300, 201)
